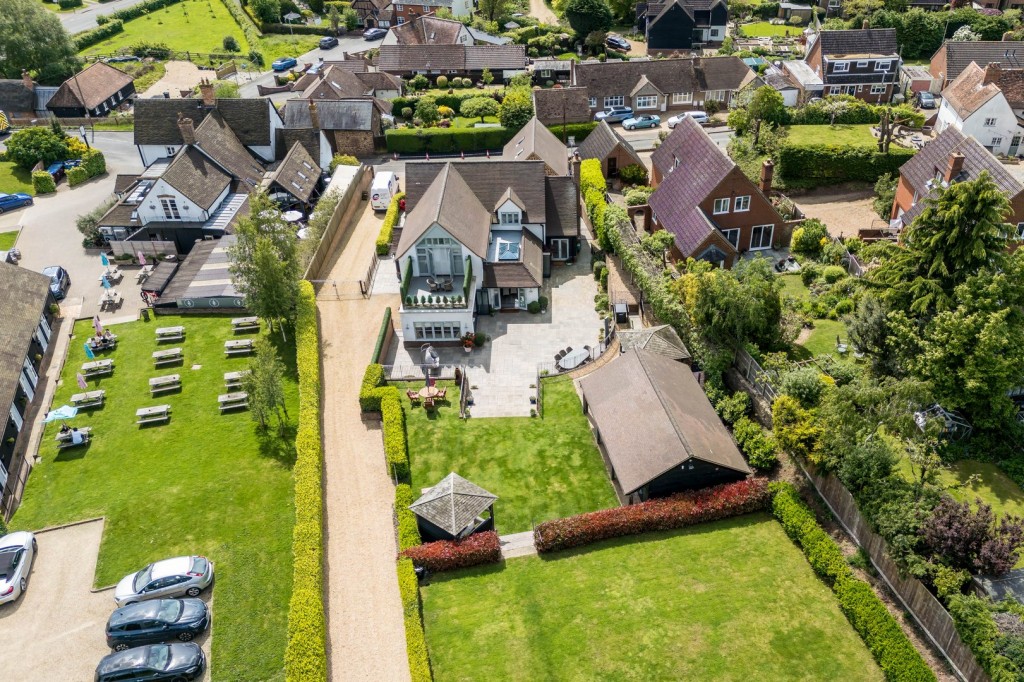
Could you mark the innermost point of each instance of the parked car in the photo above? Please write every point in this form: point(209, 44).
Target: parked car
point(618, 42)
point(926, 100)
point(327, 42)
point(60, 281)
point(614, 114)
point(17, 551)
point(698, 116)
point(374, 33)
point(642, 122)
point(153, 663)
point(284, 63)
point(180, 576)
point(122, 58)
point(159, 620)
point(9, 202)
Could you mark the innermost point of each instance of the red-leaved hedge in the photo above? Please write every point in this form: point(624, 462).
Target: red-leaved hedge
point(446, 555)
point(683, 509)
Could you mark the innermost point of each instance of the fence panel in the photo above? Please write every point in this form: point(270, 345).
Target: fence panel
point(341, 221)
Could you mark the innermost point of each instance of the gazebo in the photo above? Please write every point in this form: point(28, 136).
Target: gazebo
point(452, 509)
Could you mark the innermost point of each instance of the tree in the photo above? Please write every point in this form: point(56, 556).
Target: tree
point(479, 106)
point(230, 44)
point(351, 18)
point(426, 111)
point(595, 41)
point(964, 34)
point(961, 538)
point(265, 386)
point(869, 332)
point(834, 107)
point(334, 18)
point(266, 10)
point(29, 146)
point(32, 39)
point(885, 194)
point(419, 82)
point(491, 10)
point(516, 109)
point(486, 76)
point(225, 90)
point(658, 242)
point(264, 262)
point(766, 106)
point(586, 16)
point(623, 11)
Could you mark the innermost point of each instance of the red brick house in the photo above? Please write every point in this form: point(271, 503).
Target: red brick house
point(864, 63)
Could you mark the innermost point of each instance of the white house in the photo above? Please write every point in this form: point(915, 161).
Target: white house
point(985, 103)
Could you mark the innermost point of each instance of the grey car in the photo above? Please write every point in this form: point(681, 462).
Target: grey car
point(183, 576)
point(17, 552)
point(614, 114)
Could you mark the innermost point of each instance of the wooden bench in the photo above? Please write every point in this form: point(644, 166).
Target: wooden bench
point(234, 379)
point(89, 399)
point(97, 368)
point(169, 382)
point(64, 439)
point(170, 334)
point(152, 415)
point(238, 347)
point(245, 324)
point(166, 357)
point(232, 401)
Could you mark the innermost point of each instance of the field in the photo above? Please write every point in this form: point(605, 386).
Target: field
point(204, 483)
point(732, 600)
point(192, 25)
point(14, 179)
point(762, 29)
point(7, 240)
point(854, 135)
point(275, 46)
point(540, 469)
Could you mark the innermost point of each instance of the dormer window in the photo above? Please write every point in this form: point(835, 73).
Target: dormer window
point(509, 217)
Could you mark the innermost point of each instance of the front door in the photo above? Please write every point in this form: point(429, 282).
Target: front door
point(1014, 145)
point(613, 167)
point(559, 249)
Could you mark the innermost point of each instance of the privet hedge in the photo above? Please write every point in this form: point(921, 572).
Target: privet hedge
point(390, 220)
point(827, 163)
point(592, 188)
point(408, 528)
point(42, 183)
point(97, 35)
point(446, 140)
point(385, 329)
point(306, 652)
point(415, 641)
point(376, 396)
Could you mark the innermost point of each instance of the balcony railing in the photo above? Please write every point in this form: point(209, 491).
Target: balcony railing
point(417, 293)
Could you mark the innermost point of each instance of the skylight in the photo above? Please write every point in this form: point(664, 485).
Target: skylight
point(508, 251)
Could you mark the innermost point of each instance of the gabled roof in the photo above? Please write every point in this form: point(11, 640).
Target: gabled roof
point(15, 98)
point(427, 30)
point(308, 137)
point(970, 91)
point(90, 87)
point(555, 105)
point(865, 42)
point(488, 182)
point(959, 55)
point(156, 120)
point(20, 309)
point(297, 174)
point(657, 9)
point(404, 58)
point(335, 83)
point(535, 139)
point(196, 177)
point(453, 504)
point(602, 141)
point(653, 416)
point(449, 202)
point(216, 139)
point(698, 74)
point(344, 114)
point(562, 198)
point(661, 340)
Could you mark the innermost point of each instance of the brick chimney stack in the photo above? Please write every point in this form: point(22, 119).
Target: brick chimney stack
point(955, 167)
point(26, 79)
point(767, 173)
point(314, 116)
point(992, 73)
point(207, 93)
point(188, 131)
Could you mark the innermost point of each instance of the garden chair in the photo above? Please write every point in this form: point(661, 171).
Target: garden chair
point(428, 403)
point(442, 393)
point(432, 283)
point(559, 355)
point(413, 396)
point(841, 347)
point(448, 285)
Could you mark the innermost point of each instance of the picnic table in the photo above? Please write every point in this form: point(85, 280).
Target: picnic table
point(169, 382)
point(151, 415)
point(110, 299)
point(113, 275)
point(245, 324)
point(238, 347)
point(170, 334)
point(66, 437)
point(428, 392)
point(88, 399)
point(231, 401)
point(105, 342)
point(166, 357)
point(234, 379)
point(143, 274)
point(97, 367)
point(574, 359)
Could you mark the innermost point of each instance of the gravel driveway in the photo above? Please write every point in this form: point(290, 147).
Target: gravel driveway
point(843, 210)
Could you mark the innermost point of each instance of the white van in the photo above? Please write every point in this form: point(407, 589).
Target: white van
point(385, 186)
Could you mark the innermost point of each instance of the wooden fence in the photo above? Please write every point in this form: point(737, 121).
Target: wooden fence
point(340, 223)
point(761, 381)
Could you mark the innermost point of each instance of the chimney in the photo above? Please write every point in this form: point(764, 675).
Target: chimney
point(26, 79)
point(992, 73)
point(206, 90)
point(188, 131)
point(767, 173)
point(956, 165)
point(866, 25)
point(314, 116)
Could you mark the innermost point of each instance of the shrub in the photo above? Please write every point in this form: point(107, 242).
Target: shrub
point(77, 175)
point(68, 4)
point(306, 650)
point(94, 162)
point(809, 272)
point(230, 43)
point(416, 141)
point(795, 428)
point(633, 174)
point(758, 447)
point(804, 384)
point(807, 238)
point(830, 164)
point(442, 81)
point(446, 555)
point(833, 273)
point(342, 160)
point(89, 38)
point(415, 640)
point(533, 307)
point(42, 183)
point(579, 131)
point(408, 527)
point(678, 511)
point(388, 226)
point(638, 196)
point(734, 407)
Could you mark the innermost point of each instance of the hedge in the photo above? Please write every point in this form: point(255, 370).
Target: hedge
point(453, 100)
point(972, 618)
point(449, 555)
point(415, 640)
point(408, 527)
point(396, 450)
point(77, 175)
point(145, 7)
point(385, 329)
point(758, 447)
point(94, 162)
point(680, 510)
point(297, 29)
point(886, 641)
point(371, 392)
point(827, 163)
point(249, 28)
point(68, 4)
point(593, 190)
point(390, 219)
point(419, 140)
point(99, 34)
point(43, 183)
point(578, 130)
point(306, 652)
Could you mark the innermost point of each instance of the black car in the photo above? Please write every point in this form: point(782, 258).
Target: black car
point(159, 620)
point(153, 663)
point(327, 42)
point(60, 281)
point(618, 42)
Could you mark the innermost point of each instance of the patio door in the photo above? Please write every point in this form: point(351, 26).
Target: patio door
point(441, 261)
point(1014, 145)
point(559, 249)
point(521, 302)
point(761, 237)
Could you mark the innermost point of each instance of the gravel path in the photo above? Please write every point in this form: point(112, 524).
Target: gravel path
point(366, 631)
point(179, 76)
point(844, 211)
point(541, 12)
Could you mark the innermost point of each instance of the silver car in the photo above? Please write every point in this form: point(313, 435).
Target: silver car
point(183, 576)
point(17, 552)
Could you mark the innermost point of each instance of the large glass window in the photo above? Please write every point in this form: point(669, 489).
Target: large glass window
point(647, 102)
point(559, 249)
point(616, 101)
point(682, 97)
point(170, 207)
point(761, 237)
point(437, 331)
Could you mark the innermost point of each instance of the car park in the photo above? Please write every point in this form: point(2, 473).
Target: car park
point(177, 577)
point(153, 663)
point(17, 552)
point(374, 33)
point(284, 63)
point(649, 121)
point(614, 114)
point(617, 42)
point(155, 621)
point(9, 202)
point(698, 116)
point(925, 100)
point(60, 281)
point(327, 42)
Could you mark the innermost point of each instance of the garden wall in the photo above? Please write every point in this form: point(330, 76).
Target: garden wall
point(340, 222)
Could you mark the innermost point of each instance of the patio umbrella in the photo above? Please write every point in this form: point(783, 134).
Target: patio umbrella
point(62, 412)
point(302, 233)
point(81, 381)
point(292, 216)
point(97, 327)
point(104, 282)
point(88, 352)
point(142, 258)
point(104, 260)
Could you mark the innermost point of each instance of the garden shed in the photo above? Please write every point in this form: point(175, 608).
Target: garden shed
point(610, 148)
point(453, 509)
point(656, 428)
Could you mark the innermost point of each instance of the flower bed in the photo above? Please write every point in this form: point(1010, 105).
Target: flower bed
point(445, 555)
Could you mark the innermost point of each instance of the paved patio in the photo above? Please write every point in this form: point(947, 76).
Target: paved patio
point(503, 370)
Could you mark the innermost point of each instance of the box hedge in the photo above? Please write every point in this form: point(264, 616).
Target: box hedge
point(371, 392)
point(386, 230)
point(396, 450)
point(831, 164)
point(385, 329)
point(415, 640)
point(448, 555)
point(77, 175)
point(43, 183)
point(306, 650)
point(408, 527)
point(446, 140)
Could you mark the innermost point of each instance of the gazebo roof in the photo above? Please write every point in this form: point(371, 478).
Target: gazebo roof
point(452, 504)
point(662, 340)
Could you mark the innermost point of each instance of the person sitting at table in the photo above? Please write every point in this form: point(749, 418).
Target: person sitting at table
point(64, 428)
point(107, 336)
point(76, 436)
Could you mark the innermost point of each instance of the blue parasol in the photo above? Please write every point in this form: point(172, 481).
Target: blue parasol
point(104, 282)
point(104, 260)
point(62, 412)
point(88, 352)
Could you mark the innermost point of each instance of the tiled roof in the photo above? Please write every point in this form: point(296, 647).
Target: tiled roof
point(404, 58)
point(427, 30)
point(156, 120)
point(602, 141)
point(699, 74)
point(196, 177)
point(969, 91)
point(453, 504)
point(959, 55)
point(335, 83)
point(308, 137)
point(526, 274)
point(95, 83)
point(480, 57)
point(345, 114)
point(562, 213)
point(655, 10)
point(662, 340)
point(880, 42)
point(450, 202)
point(487, 180)
point(218, 141)
point(25, 298)
point(378, 80)
point(123, 181)
point(15, 98)
point(535, 139)
point(653, 416)
point(297, 174)
point(555, 105)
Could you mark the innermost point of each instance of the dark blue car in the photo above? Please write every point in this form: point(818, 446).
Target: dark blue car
point(158, 620)
point(284, 63)
point(9, 202)
point(156, 662)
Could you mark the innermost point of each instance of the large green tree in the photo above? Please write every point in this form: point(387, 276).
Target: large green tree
point(517, 108)
point(587, 16)
point(491, 10)
point(766, 106)
point(32, 39)
point(29, 146)
point(265, 385)
point(479, 106)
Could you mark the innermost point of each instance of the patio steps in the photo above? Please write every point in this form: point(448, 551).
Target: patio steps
point(517, 545)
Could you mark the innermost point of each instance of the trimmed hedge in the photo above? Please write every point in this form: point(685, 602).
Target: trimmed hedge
point(305, 656)
point(827, 163)
point(453, 101)
point(408, 527)
point(297, 29)
point(77, 175)
point(593, 189)
point(43, 183)
point(145, 7)
point(420, 140)
point(371, 393)
point(578, 130)
point(97, 35)
point(381, 335)
point(889, 646)
point(94, 162)
point(415, 640)
point(390, 219)
point(681, 510)
point(68, 4)
point(396, 450)
point(447, 555)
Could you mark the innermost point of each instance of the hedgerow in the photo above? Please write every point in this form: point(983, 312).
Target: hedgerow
point(441, 140)
point(408, 528)
point(385, 330)
point(97, 35)
point(373, 389)
point(390, 219)
point(447, 555)
point(829, 163)
point(593, 188)
point(415, 640)
point(306, 651)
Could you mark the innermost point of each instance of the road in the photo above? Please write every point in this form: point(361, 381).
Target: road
point(643, 140)
point(84, 18)
point(247, 82)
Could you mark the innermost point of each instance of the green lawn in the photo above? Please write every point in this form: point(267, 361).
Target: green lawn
point(540, 469)
point(192, 25)
point(762, 29)
point(855, 135)
point(14, 178)
point(793, 286)
point(463, 122)
point(274, 46)
point(732, 600)
point(822, 340)
point(7, 240)
point(204, 483)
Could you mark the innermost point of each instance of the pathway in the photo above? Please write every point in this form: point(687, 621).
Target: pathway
point(178, 76)
point(366, 630)
point(539, 10)
point(517, 545)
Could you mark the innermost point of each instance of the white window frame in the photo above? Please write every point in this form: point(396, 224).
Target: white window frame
point(170, 208)
point(509, 217)
point(884, 65)
point(437, 331)
point(713, 33)
point(722, 202)
point(682, 98)
point(399, 8)
point(862, 63)
point(771, 236)
point(996, 141)
point(836, 67)
point(615, 101)
point(400, 20)
point(743, 201)
point(732, 236)
point(647, 102)
point(560, 249)
point(990, 122)
point(592, 101)
point(878, 89)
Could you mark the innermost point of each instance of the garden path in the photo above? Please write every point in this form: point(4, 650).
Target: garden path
point(517, 544)
point(540, 11)
point(179, 76)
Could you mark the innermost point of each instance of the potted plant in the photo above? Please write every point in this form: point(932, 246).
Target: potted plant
point(468, 339)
